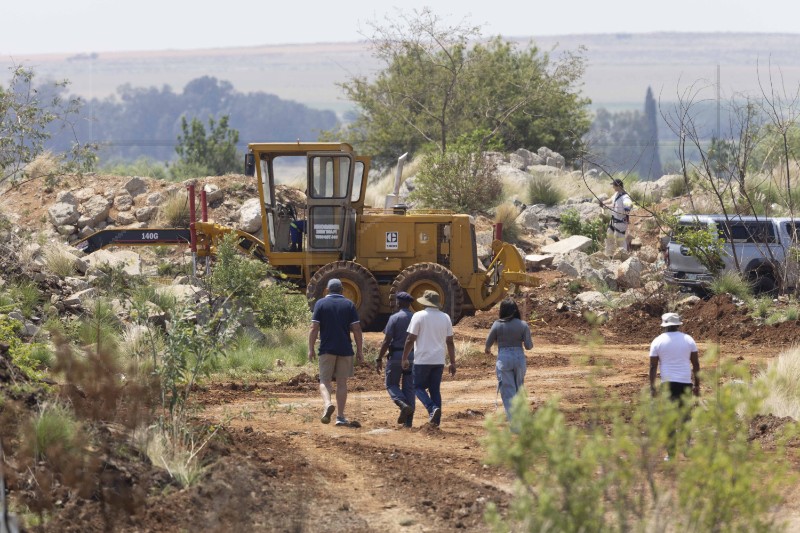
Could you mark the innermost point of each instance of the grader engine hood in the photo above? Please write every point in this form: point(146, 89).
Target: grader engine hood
point(506, 270)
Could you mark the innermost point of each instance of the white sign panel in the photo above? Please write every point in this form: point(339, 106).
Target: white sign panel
point(326, 232)
point(392, 240)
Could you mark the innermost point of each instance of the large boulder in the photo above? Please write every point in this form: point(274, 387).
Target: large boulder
point(250, 215)
point(528, 219)
point(575, 243)
point(129, 261)
point(123, 202)
point(537, 262)
point(629, 273)
point(136, 186)
point(63, 213)
point(67, 197)
point(95, 211)
point(592, 298)
point(144, 214)
point(213, 193)
point(575, 264)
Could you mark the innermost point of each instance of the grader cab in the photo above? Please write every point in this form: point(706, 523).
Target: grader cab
point(375, 252)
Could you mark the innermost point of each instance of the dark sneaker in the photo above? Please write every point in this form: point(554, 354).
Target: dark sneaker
point(436, 416)
point(405, 412)
point(326, 416)
point(347, 423)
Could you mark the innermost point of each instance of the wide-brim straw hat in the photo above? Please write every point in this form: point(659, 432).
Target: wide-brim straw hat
point(430, 299)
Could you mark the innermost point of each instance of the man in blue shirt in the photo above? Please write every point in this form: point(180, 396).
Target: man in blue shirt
point(333, 319)
point(394, 339)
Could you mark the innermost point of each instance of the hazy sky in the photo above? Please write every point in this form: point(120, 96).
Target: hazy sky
point(72, 26)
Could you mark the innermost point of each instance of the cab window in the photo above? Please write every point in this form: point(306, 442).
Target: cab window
point(330, 177)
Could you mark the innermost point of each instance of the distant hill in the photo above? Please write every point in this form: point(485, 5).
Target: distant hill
point(620, 67)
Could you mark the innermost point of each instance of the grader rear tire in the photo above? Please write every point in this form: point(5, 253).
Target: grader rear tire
point(360, 287)
point(422, 277)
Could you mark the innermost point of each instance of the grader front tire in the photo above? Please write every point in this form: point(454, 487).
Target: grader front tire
point(422, 277)
point(360, 287)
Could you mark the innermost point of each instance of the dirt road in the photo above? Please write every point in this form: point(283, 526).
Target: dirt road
point(384, 478)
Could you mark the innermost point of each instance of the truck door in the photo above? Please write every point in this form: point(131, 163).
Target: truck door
point(331, 217)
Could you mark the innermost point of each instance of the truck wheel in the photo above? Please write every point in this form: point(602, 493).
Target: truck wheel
point(360, 287)
point(422, 277)
point(763, 283)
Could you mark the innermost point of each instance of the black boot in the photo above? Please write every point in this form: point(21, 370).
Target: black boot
point(405, 411)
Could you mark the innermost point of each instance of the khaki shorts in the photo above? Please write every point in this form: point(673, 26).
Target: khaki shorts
point(335, 366)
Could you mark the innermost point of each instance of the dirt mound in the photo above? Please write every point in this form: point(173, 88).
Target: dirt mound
point(768, 428)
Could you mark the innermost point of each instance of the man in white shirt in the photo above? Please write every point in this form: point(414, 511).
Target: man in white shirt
point(621, 205)
point(430, 334)
point(677, 354)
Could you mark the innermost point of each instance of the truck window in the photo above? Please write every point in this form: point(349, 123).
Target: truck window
point(793, 230)
point(762, 232)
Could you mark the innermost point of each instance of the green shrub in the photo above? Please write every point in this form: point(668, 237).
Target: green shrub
point(542, 191)
point(100, 326)
point(461, 180)
point(595, 228)
point(277, 306)
point(762, 307)
point(731, 283)
point(54, 430)
point(248, 355)
point(21, 353)
point(607, 473)
point(678, 187)
point(42, 354)
point(27, 296)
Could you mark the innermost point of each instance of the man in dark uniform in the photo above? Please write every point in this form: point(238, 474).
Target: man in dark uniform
point(333, 319)
point(394, 340)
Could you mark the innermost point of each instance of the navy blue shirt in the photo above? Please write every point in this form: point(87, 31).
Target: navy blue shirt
point(397, 330)
point(335, 315)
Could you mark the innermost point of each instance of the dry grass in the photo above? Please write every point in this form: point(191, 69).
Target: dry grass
point(174, 212)
point(377, 190)
point(59, 262)
point(46, 164)
point(781, 381)
point(507, 214)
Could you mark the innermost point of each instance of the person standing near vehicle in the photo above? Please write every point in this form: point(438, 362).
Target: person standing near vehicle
point(621, 205)
point(677, 354)
point(513, 337)
point(430, 335)
point(333, 319)
point(394, 340)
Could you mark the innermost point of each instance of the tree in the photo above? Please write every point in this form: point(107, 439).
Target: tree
point(650, 158)
point(214, 154)
point(28, 114)
point(435, 87)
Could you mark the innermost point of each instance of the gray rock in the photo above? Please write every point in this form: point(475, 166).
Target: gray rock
point(574, 264)
point(63, 213)
point(144, 214)
point(250, 215)
point(95, 211)
point(648, 254)
point(213, 193)
point(182, 292)
point(86, 231)
point(66, 197)
point(76, 284)
point(594, 298)
point(79, 298)
point(629, 273)
point(129, 261)
point(66, 230)
point(537, 262)
point(125, 218)
point(29, 329)
point(527, 156)
point(575, 243)
point(136, 186)
point(123, 202)
point(528, 219)
point(84, 194)
point(517, 161)
point(16, 315)
point(154, 199)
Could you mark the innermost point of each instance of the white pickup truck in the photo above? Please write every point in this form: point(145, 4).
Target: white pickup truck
point(764, 246)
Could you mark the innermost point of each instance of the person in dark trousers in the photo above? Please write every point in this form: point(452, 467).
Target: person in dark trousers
point(677, 354)
point(333, 319)
point(430, 336)
point(513, 337)
point(394, 340)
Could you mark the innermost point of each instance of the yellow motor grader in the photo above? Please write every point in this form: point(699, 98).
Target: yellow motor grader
point(375, 252)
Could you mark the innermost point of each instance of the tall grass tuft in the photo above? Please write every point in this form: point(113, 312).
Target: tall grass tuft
point(678, 187)
point(731, 283)
point(541, 190)
point(248, 355)
point(781, 381)
point(53, 431)
point(507, 214)
point(174, 212)
point(59, 262)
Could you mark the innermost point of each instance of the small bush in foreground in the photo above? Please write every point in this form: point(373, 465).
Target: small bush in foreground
point(54, 431)
point(608, 474)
